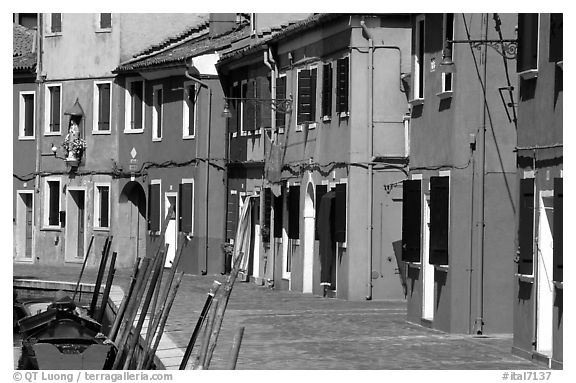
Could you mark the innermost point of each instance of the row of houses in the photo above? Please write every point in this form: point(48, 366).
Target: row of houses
point(389, 156)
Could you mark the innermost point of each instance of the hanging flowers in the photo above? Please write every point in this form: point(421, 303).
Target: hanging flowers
point(74, 147)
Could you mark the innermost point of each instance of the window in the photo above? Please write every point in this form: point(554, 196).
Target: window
point(157, 100)
point(186, 208)
point(277, 201)
point(439, 209)
point(340, 213)
point(267, 212)
point(101, 205)
point(556, 34)
point(327, 91)
point(294, 212)
point(53, 109)
point(242, 116)
point(27, 115)
point(448, 35)
point(527, 61)
point(52, 203)
point(557, 230)
point(306, 96)
point(526, 227)
point(189, 111)
point(419, 58)
point(320, 191)
point(234, 106)
point(232, 214)
point(250, 111)
point(411, 220)
point(102, 106)
point(281, 94)
point(105, 21)
point(154, 206)
point(342, 85)
point(55, 22)
point(134, 122)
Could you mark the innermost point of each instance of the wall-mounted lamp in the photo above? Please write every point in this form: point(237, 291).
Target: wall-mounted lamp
point(505, 48)
point(53, 152)
point(280, 105)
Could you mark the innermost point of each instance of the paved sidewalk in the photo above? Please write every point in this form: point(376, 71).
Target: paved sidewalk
point(286, 330)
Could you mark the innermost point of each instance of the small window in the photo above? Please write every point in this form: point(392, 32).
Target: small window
point(281, 94)
point(527, 60)
point(294, 212)
point(243, 107)
point(250, 111)
point(411, 220)
point(102, 106)
point(186, 208)
point(52, 203)
point(306, 96)
point(101, 206)
point(448, 36)
point(189, 111)
point(342, 85)
point(53, 109)
point(278, 214)
point(157, 106)
point(556, 37)
point(419, 58)
point(56, 22)
point(27, 115)
point(327, 91)
point(234, 106)
point(154, 206)
point(134, 122)
point(439, 219)
point(526, 227)
point(105, 21)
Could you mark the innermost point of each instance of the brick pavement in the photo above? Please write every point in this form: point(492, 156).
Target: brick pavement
point(287, 330)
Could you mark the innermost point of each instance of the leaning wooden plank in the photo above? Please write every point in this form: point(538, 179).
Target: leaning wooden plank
point(101, 270)
point(121, 311)
point(236, 343)
point(83, 266)
point(201, 358)
point(111, 272)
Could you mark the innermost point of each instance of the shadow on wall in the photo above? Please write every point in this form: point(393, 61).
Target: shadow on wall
point(397, 246)
point(440, 277)
point(413, 274)
point(524, 291)
point(558, 303)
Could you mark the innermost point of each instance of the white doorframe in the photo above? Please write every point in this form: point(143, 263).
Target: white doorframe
point(256, 247)
point(71, 243)
point(427, 268)
point(309, 220)
point(21, 227)
point(286, 243)
point(545, 287)
point(171, 235)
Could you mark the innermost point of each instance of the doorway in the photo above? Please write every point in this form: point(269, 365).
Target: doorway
point(427, 268)
point(309, 225)
point(130, 235)
point(171, 236)
point(75, 225)
point(545, 286)
point(24, 225)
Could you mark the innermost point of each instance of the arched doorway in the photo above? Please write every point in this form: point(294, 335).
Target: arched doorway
point(131, 234)
point(309, 220)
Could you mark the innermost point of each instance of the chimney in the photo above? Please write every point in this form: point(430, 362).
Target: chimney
point(221, 22)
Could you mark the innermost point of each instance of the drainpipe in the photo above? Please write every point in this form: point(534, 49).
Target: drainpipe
point(370, 151)
point(207, 190)
point(39, 82)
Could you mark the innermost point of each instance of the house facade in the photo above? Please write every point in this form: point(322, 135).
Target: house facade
point(538, 280)
point(459, 201)
point(324, 156)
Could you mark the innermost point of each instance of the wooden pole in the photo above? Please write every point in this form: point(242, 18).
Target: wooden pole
point(100, 275)
point(236, 343)
point(188, 352)
point(111, 272)
point(201, 358)
point(125, 300)
point(83, 266)
point(166, 306)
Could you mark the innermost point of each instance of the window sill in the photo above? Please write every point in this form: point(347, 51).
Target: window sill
point(234, 135)
point(444, 268)
point(312, 126)
point(156, 140)
point(525, 278)
point(53, 34)
point(278, 240)
point(101, 228)
point(51, 228)
point(188, 137)
point(416, 101)
point(26, 138)
point(560, 64)
point(101, 132)
point(326, 119)
point(104, 30)
point(344, 114)
point(48, 134)
point(281, 130)
point(415, 265)
point(75, 260)
point(528, 74)
point(134, 131)
point(343, 245)
point(444, 95)
point(24, 260)
point(559, 285)
point(299, 128)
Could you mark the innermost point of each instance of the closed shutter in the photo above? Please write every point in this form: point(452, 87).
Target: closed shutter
point(527, 41)
point(327, 90)
point(411, 220)
point(247, 107)
point(342, 80)
point(558, 226)
point(280, 94)
point(264, 118)
point(278, 216)
point(232, 216)
point(267, 207)
point(54, 203)
point(255, 201)
point(306, 95)
point(104, 205)
point(159, 101)
point(556, 37)
point(105, 20)
point(154, 207)
point(340, 213)
point(186, 206)
point(55, 109)
point(526, 227)
point(439, 206)
point(320, 191)
point(234, 107)
point(250, 107)
point(104, 107)
point(28, 115)
point(137, 95)
point(191, 101)
point(56, 22)
point(294, 212)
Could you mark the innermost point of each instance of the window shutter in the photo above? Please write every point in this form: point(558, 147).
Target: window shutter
point(265, 109)
point(558, 226)
point(294, 212)
point(55, 109)
point(137, 95)
point(527, 41)
point(526, 227)
point(104, 107)
point(54, 203)
point(278, 216)
point(267, 207)
point(342, 68)
point(340, 213)
point(327, 90)
point(186, 204)
point(28, 115)
point(248, 107)
point(56, 23)
point(320, 191)
point(104, 203)
point(439, 206)
point(180, 210)
point(255, 201)
point(280, 94)
point(556, 33)
point(159, 101)
point(154, 207)
point(411, 220)
point(105, 20)
point(191, 95)
point(234, 106)
point(304, 96)
point(232, 220)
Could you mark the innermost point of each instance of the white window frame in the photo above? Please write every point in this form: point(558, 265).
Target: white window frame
point(46, 201)
point(21, 226)
point(128, 106)
point(49, 32)
point(47, 108)
point(97, 18)
point(97, 200)
point(186, 110)
point(417, 63)
point(282, 129)
point(242, 108)
point(299, 127)
point(533, 72)
point(158, 182)
point(22, 115)
point(191, 181)
point(96, 107)
point(155, 121)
